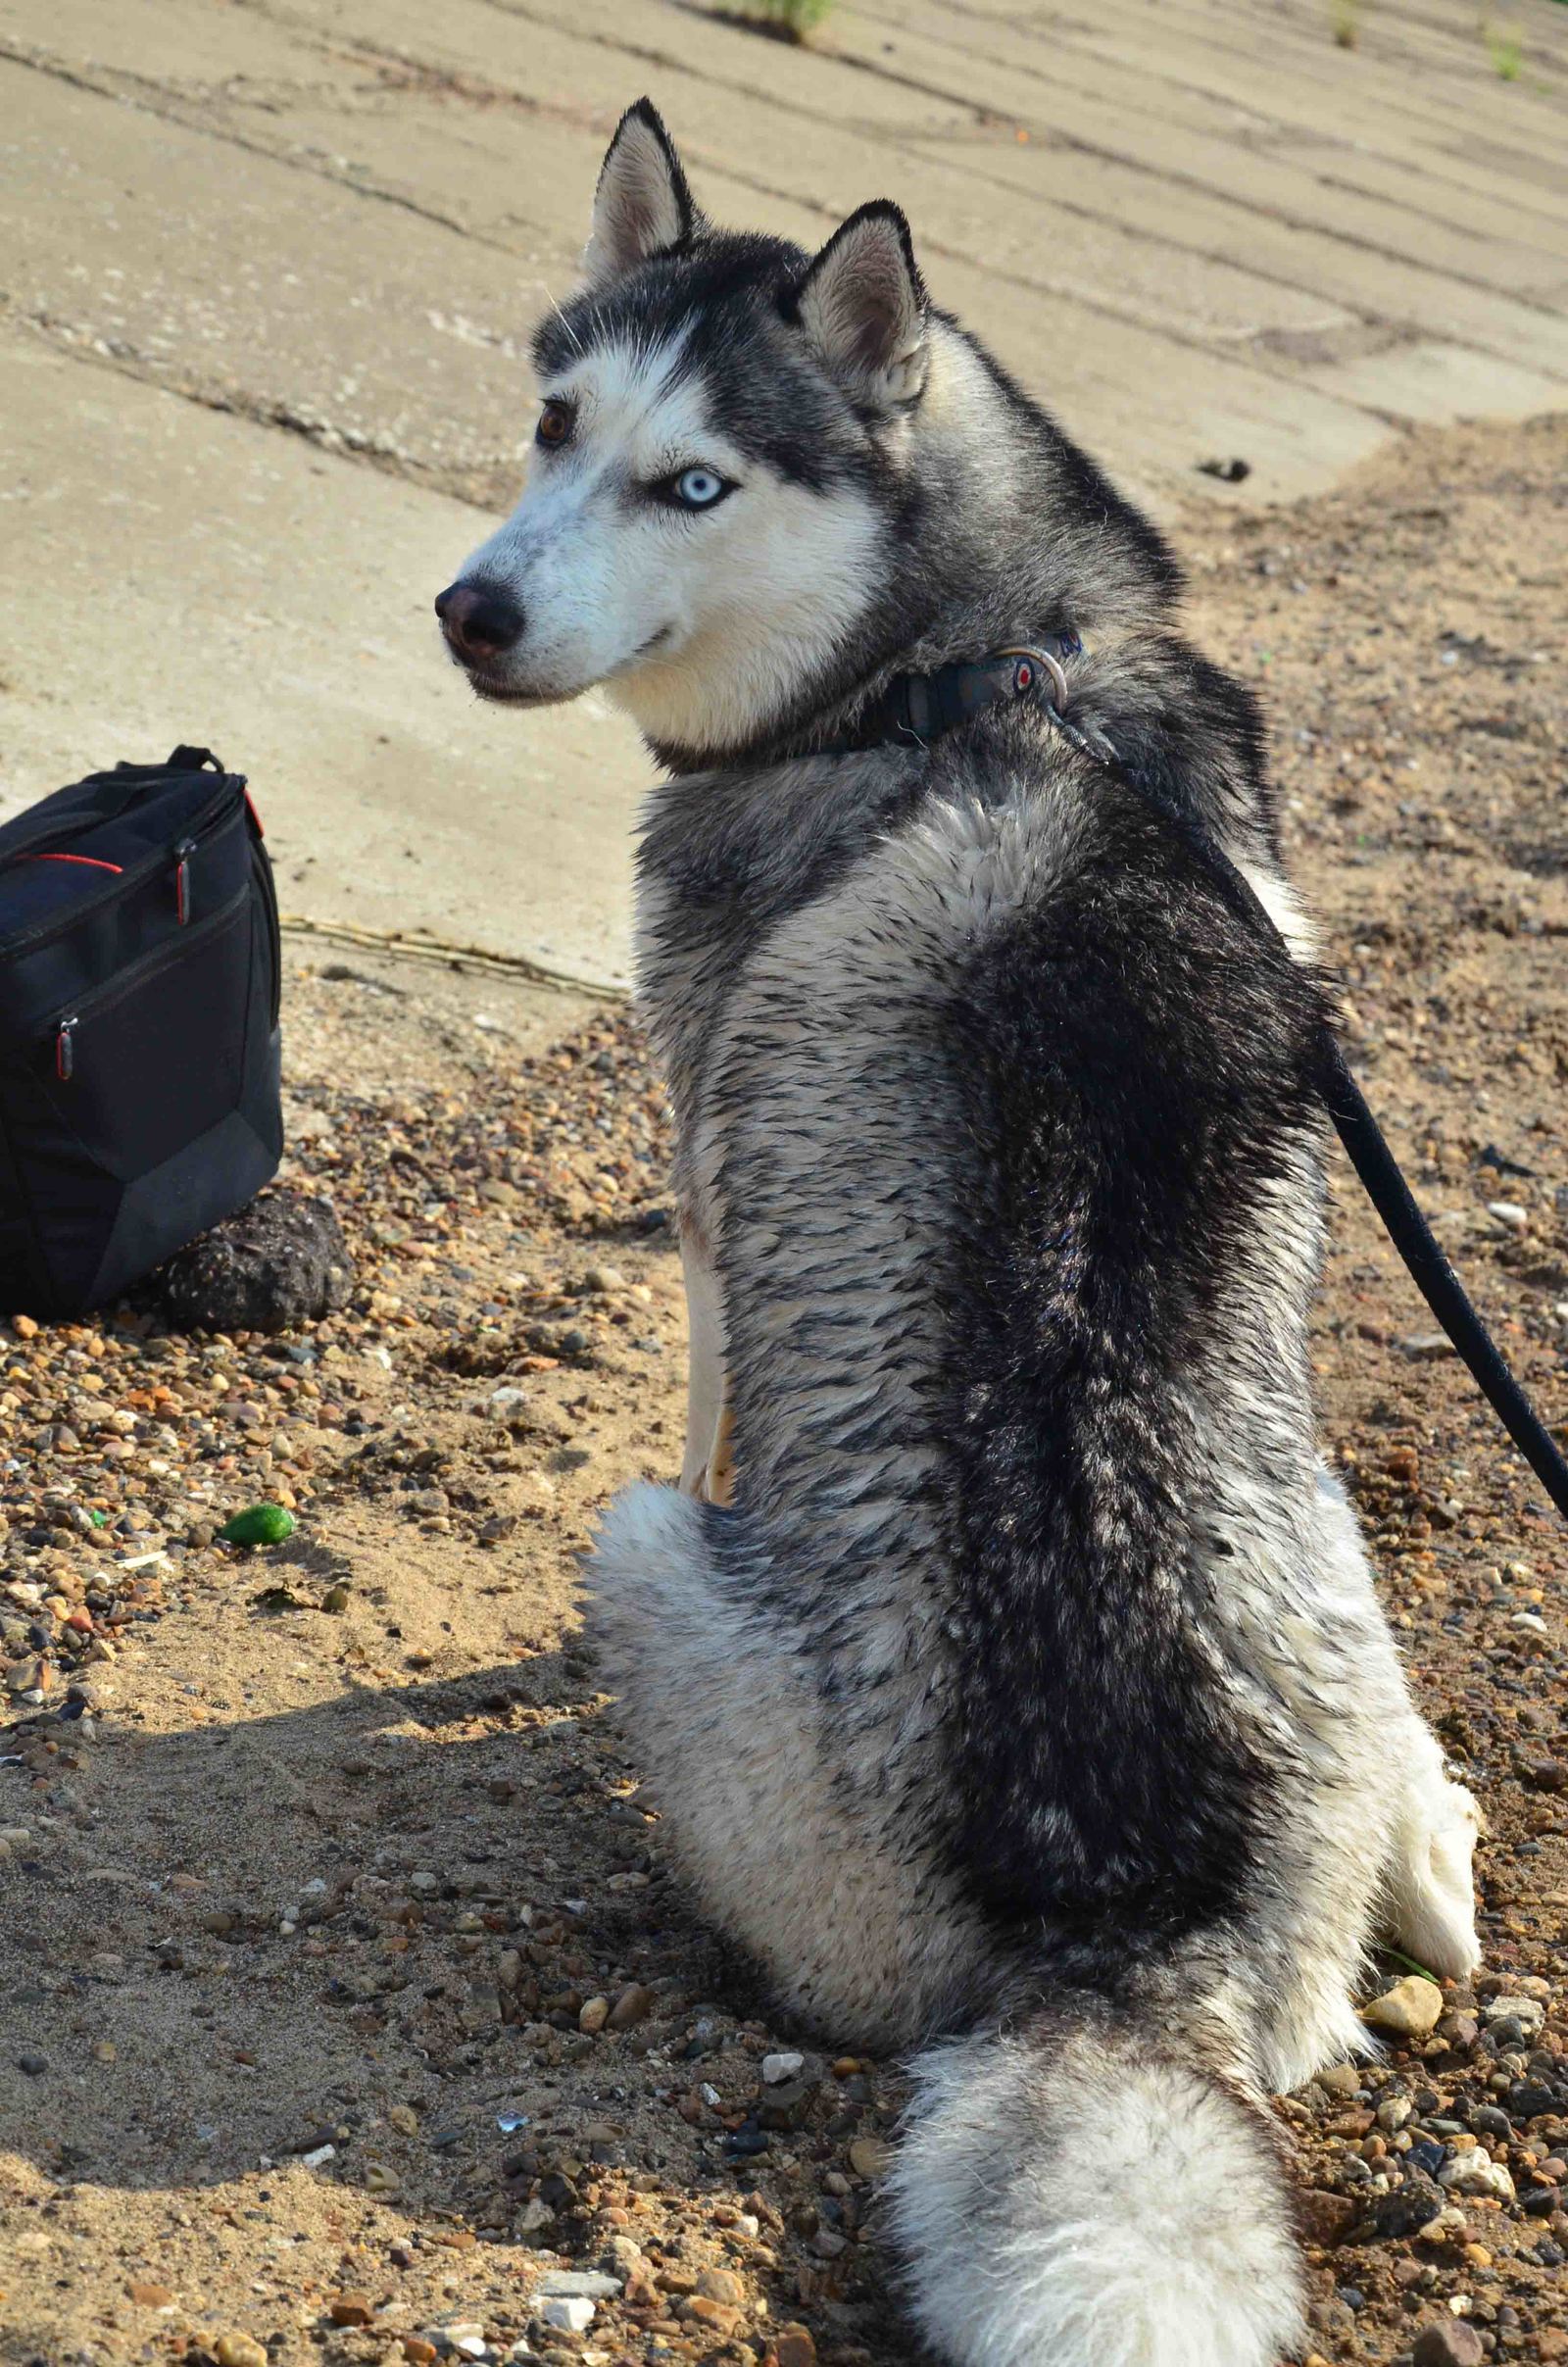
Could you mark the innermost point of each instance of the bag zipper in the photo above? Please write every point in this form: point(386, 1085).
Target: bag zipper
point(91, 862)
point(66, 1023)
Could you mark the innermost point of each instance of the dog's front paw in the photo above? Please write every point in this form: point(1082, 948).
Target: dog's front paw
point(1435, 1920)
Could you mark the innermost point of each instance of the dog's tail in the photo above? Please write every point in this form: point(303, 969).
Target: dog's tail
point(1079, 2192)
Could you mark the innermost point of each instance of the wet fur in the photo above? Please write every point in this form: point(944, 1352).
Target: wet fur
point(1028, 1705)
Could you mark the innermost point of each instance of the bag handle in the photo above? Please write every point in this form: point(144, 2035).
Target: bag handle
point(136, 779)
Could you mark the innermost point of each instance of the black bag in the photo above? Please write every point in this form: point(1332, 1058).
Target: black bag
point(139, 984)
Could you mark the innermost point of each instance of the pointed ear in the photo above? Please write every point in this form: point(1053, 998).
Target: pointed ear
point(863, 306)
point(641, 205)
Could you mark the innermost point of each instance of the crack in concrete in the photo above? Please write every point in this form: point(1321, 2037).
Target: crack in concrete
point(80, 341)
point(168, 105)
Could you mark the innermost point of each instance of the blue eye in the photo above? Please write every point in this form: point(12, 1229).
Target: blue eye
point(699, 489)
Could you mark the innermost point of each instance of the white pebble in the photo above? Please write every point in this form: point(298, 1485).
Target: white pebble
point(572, 2311)
point(1527, 2012)
point(1474, 2172)
point(1510, 1213)
point(776, 2068)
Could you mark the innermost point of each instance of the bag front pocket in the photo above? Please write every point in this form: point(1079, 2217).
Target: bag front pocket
point(136, 1070)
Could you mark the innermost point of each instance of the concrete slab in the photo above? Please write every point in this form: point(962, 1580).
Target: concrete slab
point(267, 273)
point(177, 575)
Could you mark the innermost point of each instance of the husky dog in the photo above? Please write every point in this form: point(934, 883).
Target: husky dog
point(1007, 1664)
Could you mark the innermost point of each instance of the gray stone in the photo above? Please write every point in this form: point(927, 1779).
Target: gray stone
point(282, 1260)
point(1414, 2203)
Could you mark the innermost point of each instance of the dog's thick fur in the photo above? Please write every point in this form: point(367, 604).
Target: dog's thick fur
point(1027, 1705)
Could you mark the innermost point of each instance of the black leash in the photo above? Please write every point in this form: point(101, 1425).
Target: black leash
point(918, 708)
point(1434, 1278)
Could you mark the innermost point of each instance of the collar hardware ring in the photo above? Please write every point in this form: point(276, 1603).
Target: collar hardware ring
point(1024, 674)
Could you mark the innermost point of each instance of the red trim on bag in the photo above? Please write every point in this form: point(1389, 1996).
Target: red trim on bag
point(94, 862)
point(256, 819)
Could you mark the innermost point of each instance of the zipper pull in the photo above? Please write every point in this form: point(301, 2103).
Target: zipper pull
point(182, 854)
point(66, 1050)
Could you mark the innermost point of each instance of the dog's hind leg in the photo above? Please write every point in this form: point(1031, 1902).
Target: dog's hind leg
point(752, 1762)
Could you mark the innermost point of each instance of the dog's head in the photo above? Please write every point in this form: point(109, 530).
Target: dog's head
point(719, 466)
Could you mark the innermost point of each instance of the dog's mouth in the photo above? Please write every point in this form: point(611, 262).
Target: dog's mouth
point(497, 691)
point(498, 694)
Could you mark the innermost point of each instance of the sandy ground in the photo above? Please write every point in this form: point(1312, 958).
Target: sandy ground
point(348, 2000)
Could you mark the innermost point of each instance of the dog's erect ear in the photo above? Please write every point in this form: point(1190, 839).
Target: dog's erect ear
point(863, 306)
point(641, 205)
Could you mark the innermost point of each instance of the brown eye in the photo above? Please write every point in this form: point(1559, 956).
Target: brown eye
point(555, 423)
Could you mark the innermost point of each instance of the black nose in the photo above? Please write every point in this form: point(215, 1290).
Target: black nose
point(478, 620)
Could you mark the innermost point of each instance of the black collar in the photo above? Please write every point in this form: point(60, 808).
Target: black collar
point(915, 708)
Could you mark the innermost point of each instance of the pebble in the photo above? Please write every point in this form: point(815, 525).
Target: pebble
point(633, 2005)
point(463, 2335)
point(589, 2283)
point(1410, 2009)
point(35, 2065)
point(1474, 2172)
point(1341, 2079)
point(1527, 2012)
point(718, 2316)
point(777, 2067)
point(1448, 2343)
point(240, 2350)
point(870, 2157)
point(573, 2312)
point(1327, 2219)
